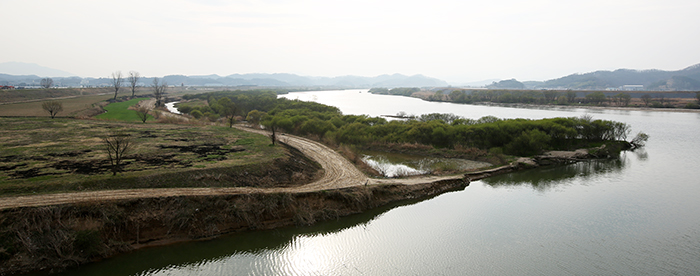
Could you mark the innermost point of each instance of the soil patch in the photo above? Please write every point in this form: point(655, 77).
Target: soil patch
point(204, 150)
point(69, 154)
point(12, 167)
point(33, 172)
point(82, 167)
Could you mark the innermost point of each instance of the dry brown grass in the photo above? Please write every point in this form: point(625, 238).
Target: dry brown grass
point(76, 105)
point(62, 153)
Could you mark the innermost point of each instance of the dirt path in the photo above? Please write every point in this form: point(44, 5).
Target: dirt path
point(339, 173)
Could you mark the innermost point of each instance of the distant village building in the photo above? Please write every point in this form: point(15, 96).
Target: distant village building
point(632, 87)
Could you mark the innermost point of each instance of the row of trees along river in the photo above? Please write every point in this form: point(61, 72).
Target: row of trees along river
point(522, 137)
point(553, 97)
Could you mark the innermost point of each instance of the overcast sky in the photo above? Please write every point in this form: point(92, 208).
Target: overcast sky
point(455, 40)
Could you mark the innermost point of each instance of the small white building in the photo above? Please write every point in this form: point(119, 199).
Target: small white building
point(632, 87)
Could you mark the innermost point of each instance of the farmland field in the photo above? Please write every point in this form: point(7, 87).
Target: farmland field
point(40, 155)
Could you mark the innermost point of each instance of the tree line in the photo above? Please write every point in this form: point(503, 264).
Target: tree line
point(401, 91)
point(548, 97)
point(522, 137)
point(53, 107)
point(530, 97)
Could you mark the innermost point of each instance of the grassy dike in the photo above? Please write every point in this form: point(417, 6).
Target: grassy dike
point(41, 155)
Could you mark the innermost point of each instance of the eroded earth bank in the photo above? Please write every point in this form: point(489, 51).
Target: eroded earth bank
point(54, 231)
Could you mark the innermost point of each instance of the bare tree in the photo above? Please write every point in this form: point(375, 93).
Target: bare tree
point(52, 107)
point(570, 96)
point(46, 82)
point(117, 82)
point(646, 98)
point(662, 99)
point(142, 113)
point(640, 140)
point(159, 91)
point(133, 80)
point(273, 133)
point(272, 123)
point(117, 145)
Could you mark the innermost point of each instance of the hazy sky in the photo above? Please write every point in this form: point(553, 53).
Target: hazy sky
point(455, 40)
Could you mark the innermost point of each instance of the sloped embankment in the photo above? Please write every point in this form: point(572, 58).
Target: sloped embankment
point(59, 236)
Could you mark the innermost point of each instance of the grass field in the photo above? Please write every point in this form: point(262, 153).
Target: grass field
point(39, 155)
point(78, 106)
point(77, 102)
point(24, 95)
point(120, 111)
point(72, 107)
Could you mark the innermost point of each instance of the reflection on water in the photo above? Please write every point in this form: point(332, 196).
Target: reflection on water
point(284, 251)
point(391, 164)
point(390, 169)
point(636, 215)
point(641, 154)
point(545, 178)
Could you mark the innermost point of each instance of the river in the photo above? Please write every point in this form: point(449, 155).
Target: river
point(637, 215)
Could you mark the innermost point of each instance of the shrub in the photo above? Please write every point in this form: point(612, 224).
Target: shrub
point(197, 114)
point(528, 143)
point(692, 106)
point(88, 241)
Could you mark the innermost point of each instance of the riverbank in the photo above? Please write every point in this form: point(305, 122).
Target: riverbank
point(569, 107)
point(52, 238)
point(54, 231)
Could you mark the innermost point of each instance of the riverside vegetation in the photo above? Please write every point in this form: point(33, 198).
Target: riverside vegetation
point(657, 99)
point(430, 133)
point(42, 155)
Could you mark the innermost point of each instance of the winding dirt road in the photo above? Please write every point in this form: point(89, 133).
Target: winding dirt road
point(339, 173)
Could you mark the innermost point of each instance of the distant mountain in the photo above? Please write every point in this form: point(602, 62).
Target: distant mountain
point(21, 68)
point(506, 84)
point(686, 79)
point(395, 80)
point(279, 79)
point(273, 80)
point(482, 83)
point(287, 79)
point(676, 83)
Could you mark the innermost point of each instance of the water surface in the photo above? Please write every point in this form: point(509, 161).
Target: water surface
point(636, 215)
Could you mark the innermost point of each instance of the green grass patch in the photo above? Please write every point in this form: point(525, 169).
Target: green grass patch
point(41, 178)
point(246, 141)
point(120, 111)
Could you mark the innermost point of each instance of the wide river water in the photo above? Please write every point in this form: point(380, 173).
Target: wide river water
point(636, 215)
